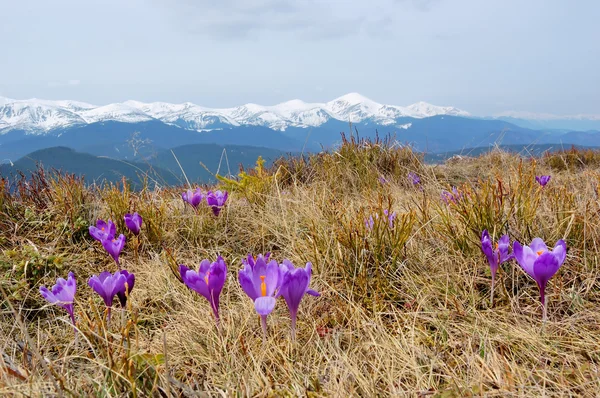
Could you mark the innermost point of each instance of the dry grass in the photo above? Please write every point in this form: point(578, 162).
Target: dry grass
point(402, 313)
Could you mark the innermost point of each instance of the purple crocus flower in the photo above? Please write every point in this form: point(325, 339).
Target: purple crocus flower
point(294, 287)
point(369, 222)
point(193, 197)
point(414, 178)
point(133, 222)
point(260, 281)
point(129, 282)
point(451, 197)
point(114, 247)
point(447, 197)
point(382, 180)
point(107, 286)
point(216, 200)
point(542, 180)
point(62, 294)
point(208, 281)
point(540, 263)
point(103, 230)
point(391, 217)
point(495, 255)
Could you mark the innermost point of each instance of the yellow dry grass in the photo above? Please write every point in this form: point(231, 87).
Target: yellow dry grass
point(416, 322)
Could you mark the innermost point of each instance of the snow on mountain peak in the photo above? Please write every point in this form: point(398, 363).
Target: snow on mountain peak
point(4, 100)
point(356, 98)
point(36, 115)
point(424, 109)
point(120, 112)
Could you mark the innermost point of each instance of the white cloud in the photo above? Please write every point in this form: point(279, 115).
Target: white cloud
point(72, 82)
point(308, 19)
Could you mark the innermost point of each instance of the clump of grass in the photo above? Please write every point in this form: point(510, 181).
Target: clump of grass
point(572, 159)
point(404, 308)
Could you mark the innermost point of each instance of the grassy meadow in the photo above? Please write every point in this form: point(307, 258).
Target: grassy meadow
point(404, 310)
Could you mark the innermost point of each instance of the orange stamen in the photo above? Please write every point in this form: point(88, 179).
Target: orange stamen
point(263, 286)
point(539, 252)
point(206, 277)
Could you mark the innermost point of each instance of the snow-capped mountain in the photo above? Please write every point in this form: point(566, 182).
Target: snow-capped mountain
point(40, 116)
point(36, 117)
point(117, 112)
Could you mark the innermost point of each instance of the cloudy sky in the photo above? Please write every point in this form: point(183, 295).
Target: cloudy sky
point(484, 56)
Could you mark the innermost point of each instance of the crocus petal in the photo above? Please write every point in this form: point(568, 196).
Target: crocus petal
point(308, 268)
point(546, 265)
point(96, 283)
point(196, 283)
point(525, 257)
point(560, 251)
point(272, 277)
point(264, 305)
point(259, 269)
point(127, 288)
point(114, 246)
point(108, 285)
point(245, 277)
point(114, 285)
point(216, 278)
point(96, 233)
point(197, 197)
point(64, 290)
point(249, 260)
point(203, 268)
point(538, 245)
point(313, 293)
point(296, 285)
point(133, 222)
point(112, 230)
point(503, 245)
point(62, 293)
point(286, 266)
point(488, 250)
point(48, 295)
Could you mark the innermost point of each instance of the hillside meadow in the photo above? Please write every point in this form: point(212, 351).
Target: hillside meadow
point(405, 304)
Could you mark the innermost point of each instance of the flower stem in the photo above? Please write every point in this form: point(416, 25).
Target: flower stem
point(74, 326)
point(137, 248)
point(492, 293)
point(543, 301)
point(263, 324)
point(217, 319)
point(293, 316)
point(544, 310)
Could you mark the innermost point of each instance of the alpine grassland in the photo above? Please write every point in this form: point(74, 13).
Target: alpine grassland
point(396, 301)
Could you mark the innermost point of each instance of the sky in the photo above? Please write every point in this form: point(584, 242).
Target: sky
point(483, 56)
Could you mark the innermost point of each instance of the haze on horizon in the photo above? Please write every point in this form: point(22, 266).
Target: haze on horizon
point(484, 57)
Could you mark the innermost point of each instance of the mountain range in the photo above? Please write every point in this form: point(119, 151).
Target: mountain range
point(40, 116)
point(137, 131)
point(200, 162)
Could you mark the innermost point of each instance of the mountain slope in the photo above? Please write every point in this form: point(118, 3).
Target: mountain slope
point(217, 159)
point(93, 168)
point(161, 166)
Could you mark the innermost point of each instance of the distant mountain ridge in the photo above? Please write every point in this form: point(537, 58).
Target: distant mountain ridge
point(40, 116)
point(122, 130)
point(199, 162)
